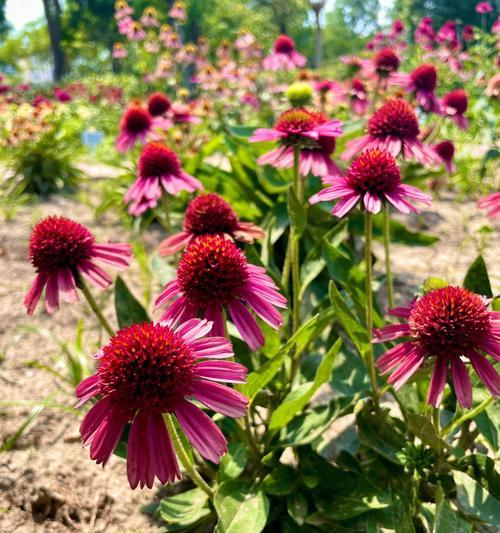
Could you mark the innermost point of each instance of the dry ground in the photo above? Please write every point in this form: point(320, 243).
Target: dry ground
point(47, 482)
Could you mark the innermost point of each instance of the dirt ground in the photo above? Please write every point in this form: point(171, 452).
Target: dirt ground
point(47, 481)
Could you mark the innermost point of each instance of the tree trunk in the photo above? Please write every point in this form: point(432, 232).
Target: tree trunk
point(52, 14)
point(317, 6)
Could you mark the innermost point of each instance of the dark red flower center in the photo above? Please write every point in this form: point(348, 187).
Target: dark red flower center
point(445, 150)
point(357, 86)
point(457, 100)
point(211, 271)
point(158, 104)
point(396, 118)
point(157, 160)
point(58, 242)
point(425, 77)
point(284, 45)
point(386, 61)
point(136, 120)
point(374, 171)
point(450, 321)
point(209, 213)
point(147, 366)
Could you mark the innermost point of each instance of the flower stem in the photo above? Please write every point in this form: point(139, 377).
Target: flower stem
point(166, 212)
point(82, 285)
point(184, 459)
point(297, 187)
point(370, 363)
point(451, 426)
point(251, 439)
point(387, 243)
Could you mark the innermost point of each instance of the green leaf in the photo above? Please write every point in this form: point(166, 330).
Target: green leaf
point(300, 397)
point(476, 501)
point(487, 427)
point(422, 427)
point(242, 132)
point(351, 325)
point(297, 507)
point(476, 279)
point(281, 481)
point(234, 461)
point(306, 428)
point(241, 506)
point(185, 508)
point(343, 508)
point(401, 513)
point(298, 214)
point(449, 521)
point(260, 377)
point(128, 310)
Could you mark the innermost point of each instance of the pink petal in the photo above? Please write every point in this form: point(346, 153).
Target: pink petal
point(52, 293)
point(212, 348)
point(438, 381)
point(246, 324)
point(88, 388)
point(176, 242)
point(391, 332)
point(201, 431)
point(409, 366)
point(33, 295)
point(486, 371)
point(461, 382)
point(221, 371)
point(393, 357)
point(220, 398)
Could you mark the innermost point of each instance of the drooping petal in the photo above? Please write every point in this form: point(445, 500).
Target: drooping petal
point(33, 295)
point(220, 398)
point(161, 451)
point(201, 431)
point(227, 371)
point(438, 381)
point(407, 368)
point(212, 348)
point(486, 371)
point(246, 324)
point(87, 389)
point(391, 332)
point(393, 357)
point(461, 382)
point(139, 468)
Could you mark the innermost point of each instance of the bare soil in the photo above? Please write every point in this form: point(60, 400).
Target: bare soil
point(47, 481)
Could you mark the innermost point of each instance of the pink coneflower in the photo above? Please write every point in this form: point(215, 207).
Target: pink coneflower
point(326, 86)
point(445, 327)
point(383, 66)
point(373, 179)
point(62, 95)
point(124, 25)
point(178, 12)
point(468, 33)
point(159, 168)
point(213, 275)
point(147, 370)
point(309, 130)
point(490, 203)
point(122, 9)
point(422, 83)
point(398, 28)
point(210, 214)
point(158, 104)
point(353, 64)
point(149, 18)
point(446, 150)
point(135, 31)
point(62, 250)
point(285, 56)
point(250, 99)
point(119, 51)
point(455, 105)
point(181, 114)
point(484, 7)
point(244, 40)
point(136, 125)
point(393, 128)
point(358, 97)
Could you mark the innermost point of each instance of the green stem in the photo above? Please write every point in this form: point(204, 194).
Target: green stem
point(82, 285)
point(370, 364)
point(285, 276)
point(251, 439)
point(297, 187)
point(387, 243)
point(376, 95)
point(184, 459)
point(166, 212)
point(451, 426)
